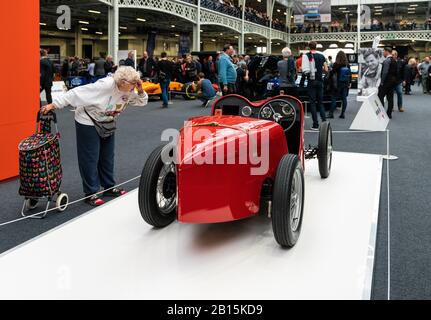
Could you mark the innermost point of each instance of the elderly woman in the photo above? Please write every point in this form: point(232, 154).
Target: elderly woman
point(97, 107)
point(286, 68)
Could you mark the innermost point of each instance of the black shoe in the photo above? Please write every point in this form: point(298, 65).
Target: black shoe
point(390, 116)
point(342, 116)
point(95, 201)
point(115, 193)
point(331, 116)
point(315, 128)
point(165, 106)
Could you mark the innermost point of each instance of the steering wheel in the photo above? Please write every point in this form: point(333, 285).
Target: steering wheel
point(279, 111)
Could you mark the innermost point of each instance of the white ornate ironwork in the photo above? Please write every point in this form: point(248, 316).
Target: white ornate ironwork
point(366, 36)
point(278, 35)
point(177, 8)
point(256, 29)
point(209, 17)
point(188, 12)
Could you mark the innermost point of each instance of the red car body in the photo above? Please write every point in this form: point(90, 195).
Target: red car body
point(213, 193)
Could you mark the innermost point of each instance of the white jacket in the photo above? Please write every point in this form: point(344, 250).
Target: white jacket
point(102, 100)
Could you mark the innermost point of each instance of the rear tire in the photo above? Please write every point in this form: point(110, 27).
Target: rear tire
point(62, 202)
point(324, 153)
point(156, 182)
point(288, 201)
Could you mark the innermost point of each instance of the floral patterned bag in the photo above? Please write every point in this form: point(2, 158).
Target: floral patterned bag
point(39, 163)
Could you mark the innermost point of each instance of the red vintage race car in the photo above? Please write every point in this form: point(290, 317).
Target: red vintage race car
point(246, 158)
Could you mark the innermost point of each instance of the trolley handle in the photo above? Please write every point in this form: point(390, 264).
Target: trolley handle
point(50, 116)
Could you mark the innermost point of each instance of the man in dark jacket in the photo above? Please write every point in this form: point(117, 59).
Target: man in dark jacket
point(400, 80)
point(46, 74)
point(147, 66)
point(130, 61)
point(389, 80)
point(99, 70)
point(165, 69)
point(409, 75)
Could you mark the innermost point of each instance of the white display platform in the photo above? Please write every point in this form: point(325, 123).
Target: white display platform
point(110, 253)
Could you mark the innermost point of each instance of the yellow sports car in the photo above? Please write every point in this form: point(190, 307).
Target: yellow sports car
point(154, 89)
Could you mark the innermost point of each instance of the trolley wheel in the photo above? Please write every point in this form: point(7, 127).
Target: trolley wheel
point(31, 204)
point(62, 202)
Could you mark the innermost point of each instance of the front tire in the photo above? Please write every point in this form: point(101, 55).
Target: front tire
point(324, 153)
point(157, 190)
point(288, 201)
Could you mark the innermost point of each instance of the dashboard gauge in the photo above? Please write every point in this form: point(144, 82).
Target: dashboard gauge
point(266, 113)
point(246, 111)
point(287, 110)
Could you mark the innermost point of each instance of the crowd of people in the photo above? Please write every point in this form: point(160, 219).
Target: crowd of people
point(228, 7)
point(231, 73)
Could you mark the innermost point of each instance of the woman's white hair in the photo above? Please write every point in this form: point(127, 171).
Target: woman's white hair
point(126, 74)
point(286, 52)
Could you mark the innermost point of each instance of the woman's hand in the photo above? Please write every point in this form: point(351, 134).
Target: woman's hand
point(47, 108)
point(139, 87)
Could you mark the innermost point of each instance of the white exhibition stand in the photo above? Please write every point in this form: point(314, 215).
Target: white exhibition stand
point(110, 253)
point(371, 116)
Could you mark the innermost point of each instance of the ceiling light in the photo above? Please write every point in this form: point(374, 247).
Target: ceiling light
point(124, 28)
point(278, 10)
point(378, 10)
point(250, 38)
point(378, 14)
point(236, 37)
point(221, 34)
point(98, 32)
point(141, 19)
point(413, 5)
point(42, 24)
point(173, 26)
point(342, 8)
point(347, 11)
point(177, 35)
point(84, 29)
point(84, 22)
point(213, 40)
point(377, 7)
point(94, 11)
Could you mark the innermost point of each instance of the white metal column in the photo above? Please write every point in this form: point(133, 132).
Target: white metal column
point(78, 42)
point(358, 45)
point(113, 30)
point(270, 12)
point(197, 30)
point(241, 41)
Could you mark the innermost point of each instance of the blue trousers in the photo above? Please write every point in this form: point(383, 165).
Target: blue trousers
point(342, 92)
point(399, 92)
point(315, 92)
point(164, 85)
point(95, 159)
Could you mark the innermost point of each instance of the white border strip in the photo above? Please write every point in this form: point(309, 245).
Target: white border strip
point(366, 295)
